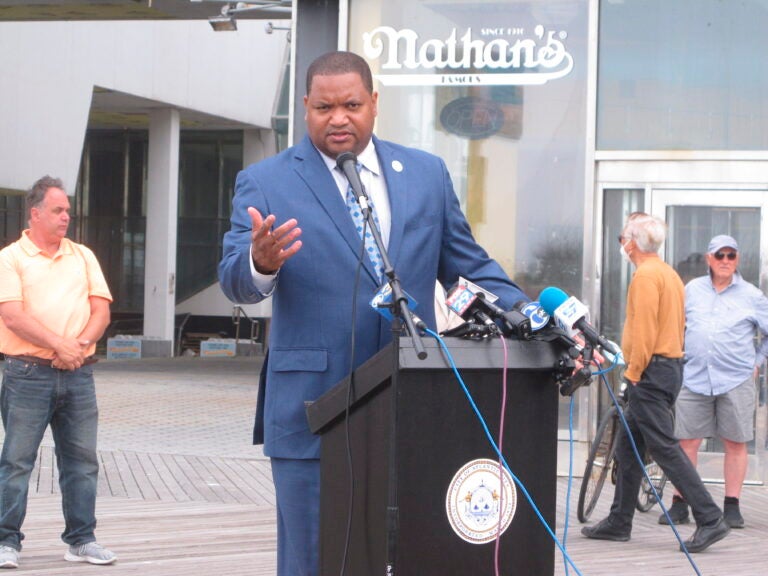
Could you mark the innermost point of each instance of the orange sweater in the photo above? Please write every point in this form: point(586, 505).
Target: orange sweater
point(655, 322)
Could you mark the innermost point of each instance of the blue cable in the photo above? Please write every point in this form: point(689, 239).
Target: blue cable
point(467, 393)
point(648, 478)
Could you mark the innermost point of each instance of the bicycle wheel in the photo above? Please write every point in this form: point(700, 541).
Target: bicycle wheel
point(598, 464)
point(646, 498)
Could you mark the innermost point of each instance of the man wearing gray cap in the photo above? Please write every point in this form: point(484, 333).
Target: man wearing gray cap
point(722, 313)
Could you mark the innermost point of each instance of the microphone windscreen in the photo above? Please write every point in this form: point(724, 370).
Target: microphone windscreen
point(345, 157)
point(551, 298)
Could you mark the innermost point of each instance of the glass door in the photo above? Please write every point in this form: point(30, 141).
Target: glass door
point(694, 216)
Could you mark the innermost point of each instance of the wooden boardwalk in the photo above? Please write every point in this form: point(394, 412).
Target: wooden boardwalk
point(173, 515)
point(182, 491)
point(163, 515)
point(653, 549)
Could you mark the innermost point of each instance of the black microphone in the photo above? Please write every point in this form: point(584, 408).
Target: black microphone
point(466, 298)
point(468, 330)
point(347, 163)
point(534, 312)
point(513, 320)
point(463, 302)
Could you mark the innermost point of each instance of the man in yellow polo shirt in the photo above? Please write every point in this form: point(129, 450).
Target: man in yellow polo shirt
point(54, 306)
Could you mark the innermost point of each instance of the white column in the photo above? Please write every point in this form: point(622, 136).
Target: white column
point(162, 217)
point(257, 145)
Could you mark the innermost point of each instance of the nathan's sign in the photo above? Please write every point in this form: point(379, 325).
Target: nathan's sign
point(467, 60)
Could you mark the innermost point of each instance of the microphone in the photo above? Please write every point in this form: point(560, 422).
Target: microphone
point(572, 316)
point(534, 312)
point(468, 330)
point(383, 303)
point(473, 302)
point(463, 301)
point(347, 163)
point(513, 320)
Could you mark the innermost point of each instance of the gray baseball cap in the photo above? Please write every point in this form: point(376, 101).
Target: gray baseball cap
point(722, 241)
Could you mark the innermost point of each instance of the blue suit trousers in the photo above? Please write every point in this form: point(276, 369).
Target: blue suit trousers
point(297, 488)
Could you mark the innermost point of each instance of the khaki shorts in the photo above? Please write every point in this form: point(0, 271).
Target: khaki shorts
point(729, 416)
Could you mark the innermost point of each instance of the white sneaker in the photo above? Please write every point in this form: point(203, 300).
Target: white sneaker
point(9, 557)
point(91, 552)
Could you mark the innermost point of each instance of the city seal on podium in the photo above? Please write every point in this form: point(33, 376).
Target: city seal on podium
point(480, 501)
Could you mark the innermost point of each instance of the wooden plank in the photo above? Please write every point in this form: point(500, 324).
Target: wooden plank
point(230, 480)
point(113, 481)
point(153, 476)
point(175, 489)
point(186, 464)
point(123, 466)
point(45, 476)
point(201, 466)
point(249, 474)
point(139, 475)
point(190, 492)
point(102, 485)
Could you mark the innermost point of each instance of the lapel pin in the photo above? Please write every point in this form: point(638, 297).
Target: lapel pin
point(397, 166)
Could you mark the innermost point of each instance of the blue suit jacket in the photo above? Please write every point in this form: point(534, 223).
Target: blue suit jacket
point(309, 342)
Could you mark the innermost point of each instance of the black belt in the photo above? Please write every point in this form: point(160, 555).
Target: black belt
point(47, 361)
point(657, 358)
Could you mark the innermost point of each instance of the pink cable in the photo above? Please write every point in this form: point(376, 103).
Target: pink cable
point(501, 463)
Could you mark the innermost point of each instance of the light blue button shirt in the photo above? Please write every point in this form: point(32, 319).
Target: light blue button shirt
point(719, 334)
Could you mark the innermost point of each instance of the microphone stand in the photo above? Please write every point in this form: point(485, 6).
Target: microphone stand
point(400, 312)
point(399, 301)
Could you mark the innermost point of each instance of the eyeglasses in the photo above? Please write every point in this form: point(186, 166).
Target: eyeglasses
point(621, 239)
point(721, 255)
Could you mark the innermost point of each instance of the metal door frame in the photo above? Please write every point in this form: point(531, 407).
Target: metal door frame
point(659, 198)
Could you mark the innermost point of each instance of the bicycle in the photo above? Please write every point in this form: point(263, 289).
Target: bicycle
point(601, 461)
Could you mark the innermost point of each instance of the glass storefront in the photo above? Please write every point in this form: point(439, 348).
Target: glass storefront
point(683, 75)
point(497, 89)
point(500, 90)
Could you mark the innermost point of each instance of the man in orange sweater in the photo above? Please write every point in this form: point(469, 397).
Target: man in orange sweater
point(652, 343)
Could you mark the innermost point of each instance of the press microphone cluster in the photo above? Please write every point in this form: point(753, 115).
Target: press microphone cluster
point(476, 306)
point(572, 316)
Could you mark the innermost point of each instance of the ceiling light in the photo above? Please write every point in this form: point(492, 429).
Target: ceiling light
point(223, 23)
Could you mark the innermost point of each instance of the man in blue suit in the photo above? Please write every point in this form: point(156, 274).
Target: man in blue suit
point(293, 238)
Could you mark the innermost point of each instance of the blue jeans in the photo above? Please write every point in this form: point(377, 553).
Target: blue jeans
point(32, 397)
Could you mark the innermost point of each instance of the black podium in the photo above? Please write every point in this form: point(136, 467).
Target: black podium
point(437, 433)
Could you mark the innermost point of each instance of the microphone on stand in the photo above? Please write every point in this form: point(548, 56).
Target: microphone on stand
point(463, 302)
point(572, 316)
point(347, 163)
point(472, 302)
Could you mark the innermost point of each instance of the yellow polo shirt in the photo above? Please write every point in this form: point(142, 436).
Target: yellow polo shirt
point(55, 291)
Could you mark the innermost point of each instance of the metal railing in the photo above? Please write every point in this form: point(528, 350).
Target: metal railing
point(256, 337)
